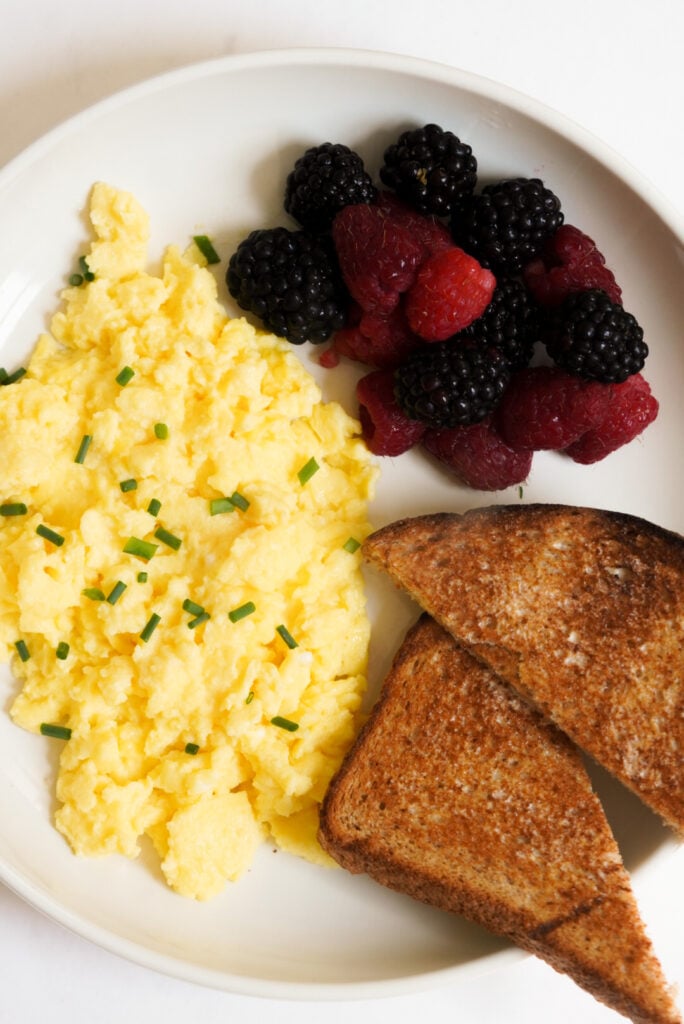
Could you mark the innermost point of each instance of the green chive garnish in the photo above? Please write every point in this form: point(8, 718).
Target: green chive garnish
point(12, 378)
point(161, 431)
point(22, 650)
point(351, 545)
point(219, 505)
point(150, 627)
point(285, 723)
point(83, 448)
point(142, 577)
point(3, 374)
point(142, 548)
point(125, 375)
point(85, 269)
point(13, 508)
point(128, 485)
point(192, 607)
point(48, 534)
point(242, 612)
point(93, 594)
point(250, 697)
point(76, 280)
point(167, 538)
point(239, 501)
point(202, 617)
point(284, 632)
point(116, 592)
point(307, 471)
point(192, 748)
point(59, 732)
point(520, 492)
point(154, 507)
point(206, 248)
point(62, 651)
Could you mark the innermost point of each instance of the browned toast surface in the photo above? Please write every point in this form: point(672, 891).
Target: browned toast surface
point(582, 610)
point(459, 794)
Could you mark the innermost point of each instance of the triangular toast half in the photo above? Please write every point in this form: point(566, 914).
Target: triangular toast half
point(459, 794)
point(581, 610)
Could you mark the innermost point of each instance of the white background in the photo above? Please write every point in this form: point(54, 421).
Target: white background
point(615, 67)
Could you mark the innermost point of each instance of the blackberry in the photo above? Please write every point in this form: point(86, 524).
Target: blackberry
point(430, 169)
point(506, 225)
point(511, 323)
point(324, 180)
point(291, 281)
point(451, 384)
point(592, 337)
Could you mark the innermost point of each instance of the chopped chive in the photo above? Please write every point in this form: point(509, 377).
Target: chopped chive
point(116, 592)
point(83, 448)
point(242, 612)
point(284, 632)
point(125, 375)
point(85, 269)
point(192, 748)
point(161, 431)
point(198, 620)
point(62, 651)
point(3, 374)
point(13, 508)
point(142, 577)
point(285, 723)
point(154, 506)
point(351, 545)
point(93, 594)
point(142, 548)
point(206, 248)
point(250, 697)
point(168, 538)
point(307, 471)
point(520, 492)
point(59, 732)
point(12, 378)
point(128, 485)
point(76, 280)
point(22, 650)
point(192, 607)
point(219, 505)
point(150, 627)
point(239, 501)
point(48, 534)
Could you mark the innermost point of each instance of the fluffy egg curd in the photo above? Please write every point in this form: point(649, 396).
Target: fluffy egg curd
point(181, 594)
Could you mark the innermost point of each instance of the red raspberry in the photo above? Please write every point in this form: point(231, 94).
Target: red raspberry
point(432, 235)
point(382, 341)
point(378, 256)
point(546, 408)
point(450, 291)
point(569, 263)
point(386, 429)
point(630, 410)
point(477, 455)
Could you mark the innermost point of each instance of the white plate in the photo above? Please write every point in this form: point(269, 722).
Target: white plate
point(208, 149)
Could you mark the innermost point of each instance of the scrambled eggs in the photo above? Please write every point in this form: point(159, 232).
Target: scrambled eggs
point(180, 593)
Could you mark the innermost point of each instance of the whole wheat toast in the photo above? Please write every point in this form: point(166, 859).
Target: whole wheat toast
point(459, 794)
point(581, 610)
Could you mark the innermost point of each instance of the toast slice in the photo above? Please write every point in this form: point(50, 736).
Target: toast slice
point(459, 794)
point(581, 610)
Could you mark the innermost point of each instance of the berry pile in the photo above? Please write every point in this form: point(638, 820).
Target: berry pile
point(447, 294)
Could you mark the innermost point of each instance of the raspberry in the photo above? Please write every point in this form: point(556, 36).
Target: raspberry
point(593, 337)
point(478, 456)
point(386, 429)
point(430, 168)
point(506, 225)
point(451, 290)
point(629, 411)
point(569, 263)
point(510, 322)
point(546, 408)
point(432, 235)
point(323, 180)
point(452, 383)
point(378, 340)
point(378, 256)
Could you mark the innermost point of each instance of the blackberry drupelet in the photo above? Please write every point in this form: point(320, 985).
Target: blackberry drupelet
point(324, 180)
point(506, 225)
point(430, 169)
point(452, 383)
point(291, 281)
point(511, 323)
point(592, 337)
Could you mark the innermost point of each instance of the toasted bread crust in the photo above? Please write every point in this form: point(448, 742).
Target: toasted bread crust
point(581, 610)
point(461, 795)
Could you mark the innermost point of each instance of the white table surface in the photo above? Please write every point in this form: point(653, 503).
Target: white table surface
point(615, 67)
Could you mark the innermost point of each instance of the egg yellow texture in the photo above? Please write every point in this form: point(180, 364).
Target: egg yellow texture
point(213, 725)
